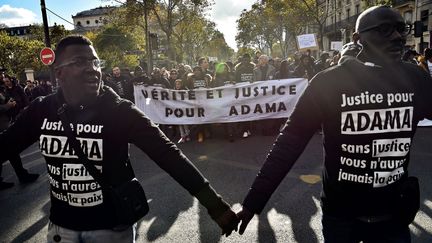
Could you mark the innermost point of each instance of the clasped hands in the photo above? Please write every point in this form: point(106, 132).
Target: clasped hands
point(229, 221)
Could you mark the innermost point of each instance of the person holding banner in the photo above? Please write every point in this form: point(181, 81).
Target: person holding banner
point(263, 70)
point(244, 72)
point(369, 108)
point(104, 124)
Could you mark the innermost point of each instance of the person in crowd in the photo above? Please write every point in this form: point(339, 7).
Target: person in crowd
point(158, 80)
point(322, 63)
point(121, 84)
point(181, 71)
point(197, 80)
point(367, 200)
point(284, 71)
point(306, 68)
point(336, 58)
point(184, 129)
point(140, 76)
point(165, 74)
point(244, 72)
point(309, 54)
point(277, 63)
point(6, 104)
point(410, 56)
point(231, 68)
point(204, 64)
point(295, 61)
point(263, 71)
point(351, 49)
point(115, 122)
point(173, 76)
point(425, 62)
point(29, 90)
point(44, 88)
point(15, 92)
point(223, 76)
point(257, 56)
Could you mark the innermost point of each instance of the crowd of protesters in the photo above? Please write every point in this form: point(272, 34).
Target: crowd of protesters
point(13, 99)
point(260, 67)
point(208, 74)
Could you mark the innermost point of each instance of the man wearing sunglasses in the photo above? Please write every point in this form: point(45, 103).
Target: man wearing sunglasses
point(369, 108)
point(104, 124)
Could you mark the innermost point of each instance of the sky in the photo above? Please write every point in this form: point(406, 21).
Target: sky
point(24, 12)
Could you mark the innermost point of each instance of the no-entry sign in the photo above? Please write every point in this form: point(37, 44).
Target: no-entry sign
point(47, 56)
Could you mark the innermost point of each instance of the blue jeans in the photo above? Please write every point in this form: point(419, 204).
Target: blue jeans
point(343, 230)
point(60, 234)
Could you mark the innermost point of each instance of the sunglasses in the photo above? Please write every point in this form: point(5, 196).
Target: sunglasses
point(81, 63)
point(387, 29)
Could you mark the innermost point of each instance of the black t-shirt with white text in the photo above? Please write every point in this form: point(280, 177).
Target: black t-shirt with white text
point(369, 115)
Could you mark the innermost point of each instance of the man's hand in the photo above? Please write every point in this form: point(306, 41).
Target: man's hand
point(245, 216)
point(228, 222)
point(11, 103)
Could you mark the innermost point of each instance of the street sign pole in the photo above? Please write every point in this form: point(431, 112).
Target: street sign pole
point(47, 40)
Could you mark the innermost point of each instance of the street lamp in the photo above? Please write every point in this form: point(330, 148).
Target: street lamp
point(343, 31)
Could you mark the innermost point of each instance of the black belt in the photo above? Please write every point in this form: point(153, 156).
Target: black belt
point(375, 219)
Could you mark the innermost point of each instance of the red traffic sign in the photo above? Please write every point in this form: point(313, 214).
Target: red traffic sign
point(47, 56)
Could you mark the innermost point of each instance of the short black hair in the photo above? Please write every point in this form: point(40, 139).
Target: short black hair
point(428, 53)
point(71, 40)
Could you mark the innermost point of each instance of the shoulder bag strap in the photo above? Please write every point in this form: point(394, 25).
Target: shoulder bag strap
point(94, 172)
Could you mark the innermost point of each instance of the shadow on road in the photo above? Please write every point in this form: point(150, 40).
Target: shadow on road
point(35, 228)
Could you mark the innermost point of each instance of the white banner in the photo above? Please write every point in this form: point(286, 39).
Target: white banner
point(230, 103)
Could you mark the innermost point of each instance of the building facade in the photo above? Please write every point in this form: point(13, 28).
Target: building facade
point(19, 31)
point(91, 19)
point(343, 14)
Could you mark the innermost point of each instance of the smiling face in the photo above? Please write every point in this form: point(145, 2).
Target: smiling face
point(78, 76)
point(380, 33)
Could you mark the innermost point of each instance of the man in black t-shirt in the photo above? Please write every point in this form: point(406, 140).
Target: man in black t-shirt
point(368, 108)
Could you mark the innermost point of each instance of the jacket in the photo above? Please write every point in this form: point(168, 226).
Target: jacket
point(369, 116)
point(104, 129)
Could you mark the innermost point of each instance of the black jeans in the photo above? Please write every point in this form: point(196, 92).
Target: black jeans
point(17, 165)
point(343, 230)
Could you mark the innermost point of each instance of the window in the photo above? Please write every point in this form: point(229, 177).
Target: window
point(96, 21)
point(348, 13)
point(79, 23)
point(357, 8)
point(424, 17)
point(88, 22)
point(339, 16)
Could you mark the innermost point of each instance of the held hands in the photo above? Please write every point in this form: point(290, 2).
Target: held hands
point(245, 216)
point(228, 222)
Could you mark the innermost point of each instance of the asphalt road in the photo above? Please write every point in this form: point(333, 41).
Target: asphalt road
point(292, 215)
